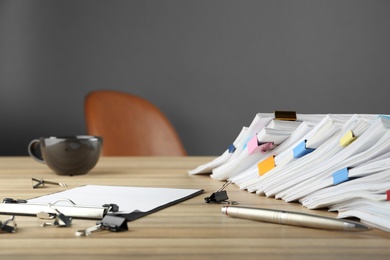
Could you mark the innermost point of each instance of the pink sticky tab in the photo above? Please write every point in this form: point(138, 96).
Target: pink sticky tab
point(388, 195)
point(253, 145)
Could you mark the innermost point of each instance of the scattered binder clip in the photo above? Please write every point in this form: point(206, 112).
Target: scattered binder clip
point(109, 222)
point(220, 196)
point(13, 201)
point(9, 226)
point(41, 182)
point(57, 219)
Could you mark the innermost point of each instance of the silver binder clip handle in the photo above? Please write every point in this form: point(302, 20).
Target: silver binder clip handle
point(88, 231)
point(37, 183)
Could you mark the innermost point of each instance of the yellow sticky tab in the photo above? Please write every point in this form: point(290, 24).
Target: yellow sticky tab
point(348, 138)
point(266, 165)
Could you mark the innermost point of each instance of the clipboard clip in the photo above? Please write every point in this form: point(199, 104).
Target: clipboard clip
point(220, 195)
point(9, 226)
point(109, 222)
point(65, 206)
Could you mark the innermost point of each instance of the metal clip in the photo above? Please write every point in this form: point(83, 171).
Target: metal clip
point(9, 225)
point(220, 195)
point(111, 207)
point(109, 222)
point(14, 201)
point(42, 182)
point(58, 219)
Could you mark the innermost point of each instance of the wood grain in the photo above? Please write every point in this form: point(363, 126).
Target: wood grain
point(189, 230)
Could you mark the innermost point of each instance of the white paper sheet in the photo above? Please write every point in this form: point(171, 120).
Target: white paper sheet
point(129, 199)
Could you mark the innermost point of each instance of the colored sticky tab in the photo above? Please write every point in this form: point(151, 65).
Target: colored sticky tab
point(348, 138)
point(300, 150)
point(286, 115)
point(388, 195)
point(340, 176)
point(266, 165)
point(246, 143)
point(265, 147)
point(253, 145)
point(231, 148)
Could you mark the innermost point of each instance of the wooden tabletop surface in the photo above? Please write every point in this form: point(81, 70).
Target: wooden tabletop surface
point(191, 229)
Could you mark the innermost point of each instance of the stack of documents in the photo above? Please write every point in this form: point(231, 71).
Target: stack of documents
point(337, 161)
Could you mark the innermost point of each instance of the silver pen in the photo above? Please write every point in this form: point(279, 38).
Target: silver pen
point(293, 218)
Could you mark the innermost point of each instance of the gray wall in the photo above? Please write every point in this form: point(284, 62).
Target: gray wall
point(209, 65)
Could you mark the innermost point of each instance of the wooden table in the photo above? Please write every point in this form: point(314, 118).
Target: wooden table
point(189, 230)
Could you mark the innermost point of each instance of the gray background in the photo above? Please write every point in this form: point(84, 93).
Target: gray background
point(209, 65)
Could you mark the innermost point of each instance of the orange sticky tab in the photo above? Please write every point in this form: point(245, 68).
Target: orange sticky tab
point(348, 138)
point(266, 165)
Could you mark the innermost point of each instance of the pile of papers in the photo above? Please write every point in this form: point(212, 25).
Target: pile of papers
point(335, 161)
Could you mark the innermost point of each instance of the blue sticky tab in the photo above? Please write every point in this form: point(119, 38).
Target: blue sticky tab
point(301, 150)
point(246, 142)
point(231, 148)
point(340, 176)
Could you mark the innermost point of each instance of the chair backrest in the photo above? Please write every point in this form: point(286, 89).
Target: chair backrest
point(130, 125)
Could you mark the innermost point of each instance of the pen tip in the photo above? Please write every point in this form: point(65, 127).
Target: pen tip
point(361, 227)
point(355, 226)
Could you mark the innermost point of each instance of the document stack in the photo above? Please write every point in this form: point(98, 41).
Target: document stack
point(335, 161)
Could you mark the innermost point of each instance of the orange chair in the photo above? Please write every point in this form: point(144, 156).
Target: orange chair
point(130, 125)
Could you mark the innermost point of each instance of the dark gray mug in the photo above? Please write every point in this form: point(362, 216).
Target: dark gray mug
point(68, 155)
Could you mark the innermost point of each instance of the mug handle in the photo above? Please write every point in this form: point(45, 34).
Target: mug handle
point(34, 150)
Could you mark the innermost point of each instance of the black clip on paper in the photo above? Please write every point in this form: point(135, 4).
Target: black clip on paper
point(220, 196)
point(111, 207)
point(9, 226)
point(109, 222)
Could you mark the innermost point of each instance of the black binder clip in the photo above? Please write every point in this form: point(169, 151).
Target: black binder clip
point(111, 207)
point(58, 219)
point(109, 222)
point(220, 196)
point(13, 201)
point(9, 226)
